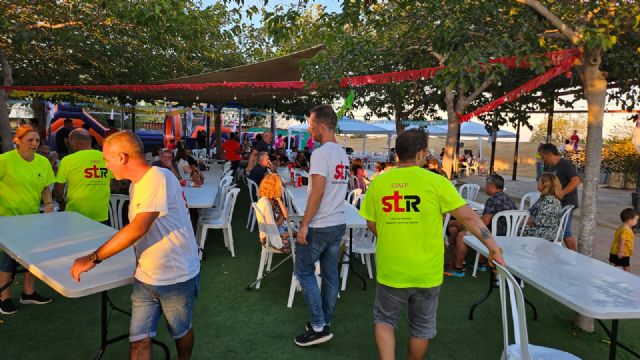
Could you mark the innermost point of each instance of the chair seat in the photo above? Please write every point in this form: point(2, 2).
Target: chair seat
point(364, 246)
point(214, 223)
point(539, 353)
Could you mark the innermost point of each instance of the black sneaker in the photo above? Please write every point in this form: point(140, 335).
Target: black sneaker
point(314, 338)
point(7, 307)
point(34, 299)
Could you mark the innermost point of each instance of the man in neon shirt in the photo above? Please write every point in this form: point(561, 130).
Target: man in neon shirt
point(87, 177)
point(404, 208)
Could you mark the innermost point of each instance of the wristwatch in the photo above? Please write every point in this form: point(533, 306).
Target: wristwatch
point(94, 257)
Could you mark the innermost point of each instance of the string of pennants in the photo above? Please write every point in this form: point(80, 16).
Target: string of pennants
point(562, 61)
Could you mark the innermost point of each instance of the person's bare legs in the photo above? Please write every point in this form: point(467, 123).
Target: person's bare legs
point(417, 348)
point(571, 243)
point(386, 341)
point(184, 345)
point(29, 283)
point(4, 278)
point(140, 350)
point(461, 249)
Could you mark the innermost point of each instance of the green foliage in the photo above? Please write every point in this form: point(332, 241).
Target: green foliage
point(563, 127)
point(90, 42)
point(621, 158)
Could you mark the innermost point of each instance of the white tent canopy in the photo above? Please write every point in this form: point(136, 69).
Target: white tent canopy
point(478, 130)
point(349, 126)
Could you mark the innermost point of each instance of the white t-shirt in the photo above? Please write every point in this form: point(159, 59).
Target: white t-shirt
point(331, 161)
point(182, 163)
point(167, 254)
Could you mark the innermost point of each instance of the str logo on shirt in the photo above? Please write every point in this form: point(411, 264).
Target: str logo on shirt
point(95, 173)
point(342, 171)
point(392, 203)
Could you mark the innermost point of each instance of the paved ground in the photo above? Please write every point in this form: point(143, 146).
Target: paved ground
point(610, 203)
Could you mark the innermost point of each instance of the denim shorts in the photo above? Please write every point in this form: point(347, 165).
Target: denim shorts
point(567, 230)
point(175, 301)
point(423, 307)
point(7, 264)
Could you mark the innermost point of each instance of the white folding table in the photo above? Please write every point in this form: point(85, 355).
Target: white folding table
point(581, 283)
point(204, 196)
point(353, 220)
point(47, 245)
point(475, 206)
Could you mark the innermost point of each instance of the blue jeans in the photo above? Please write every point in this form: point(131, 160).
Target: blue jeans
point(175, 301)
point(322, 244)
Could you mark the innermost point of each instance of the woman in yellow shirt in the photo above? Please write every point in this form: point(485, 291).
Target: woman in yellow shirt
point(24, 183)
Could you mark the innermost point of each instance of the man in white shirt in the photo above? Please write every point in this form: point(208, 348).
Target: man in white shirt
point(167, 272)
point(322, 226)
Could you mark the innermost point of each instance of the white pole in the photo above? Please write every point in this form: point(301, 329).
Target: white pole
point(479, 148)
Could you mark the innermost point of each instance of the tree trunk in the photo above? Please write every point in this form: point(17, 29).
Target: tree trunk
point(452, 133)
point(595, 90)
point(399, 115)
point(38, 108)
point(5, 125)
point(217, 120)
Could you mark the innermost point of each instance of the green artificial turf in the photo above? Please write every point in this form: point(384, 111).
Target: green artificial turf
point(233, 323)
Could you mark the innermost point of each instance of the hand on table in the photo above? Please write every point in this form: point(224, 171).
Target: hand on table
point(497, 257)
point(82, 264)
point(302, 235)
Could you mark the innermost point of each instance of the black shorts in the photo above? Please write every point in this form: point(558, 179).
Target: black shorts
point(619, 261)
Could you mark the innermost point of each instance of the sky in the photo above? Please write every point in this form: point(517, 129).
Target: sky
point(331, 5)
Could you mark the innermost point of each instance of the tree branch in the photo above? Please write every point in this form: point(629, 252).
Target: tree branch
point(441, 58)
point(484, 86)
point(571, 35)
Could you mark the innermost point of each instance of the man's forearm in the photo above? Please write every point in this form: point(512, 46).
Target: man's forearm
point(58, 192)
point(571, 186)
point(46, 195)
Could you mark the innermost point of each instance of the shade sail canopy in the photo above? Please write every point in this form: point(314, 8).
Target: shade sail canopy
point(478, 130)
point(284, 68)
point(350, 126)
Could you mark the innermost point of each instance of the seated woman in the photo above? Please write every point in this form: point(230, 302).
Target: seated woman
point(433, 165)
point(547, 211)
point(272, 208)
point(302, 162)
point(358, 172)
point(379, 169)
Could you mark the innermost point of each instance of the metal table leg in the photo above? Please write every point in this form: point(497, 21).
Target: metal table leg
point(348, 261)
point(613, 340)
point(104, 328)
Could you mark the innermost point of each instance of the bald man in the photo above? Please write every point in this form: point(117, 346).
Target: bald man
point(167, 266)
point(263, 145)
point(86, 177)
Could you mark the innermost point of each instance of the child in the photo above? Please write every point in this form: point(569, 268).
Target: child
point(622, 247)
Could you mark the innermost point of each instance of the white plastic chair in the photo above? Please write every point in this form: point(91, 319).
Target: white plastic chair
point(216, 211)
point(223, 222)
point(294, 222)
point(253, 194)
point(445, 223)
point(352, 195)
point(364, 243)
point(516, 221)
point(521, 349)
point(469, 191)
point(473, 165)
point(116, 204)
point(531, 198)
point(287, 199)
point(566, 211)
point(272, 236)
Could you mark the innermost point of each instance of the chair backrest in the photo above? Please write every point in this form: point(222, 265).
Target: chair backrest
point(445, 223)
point(507, 282)
point(352, 195)
point(515, 220)
point(253, 190)
point(529, 199)
point(222, 195)
point(116, 204)
point(267, 228)
point(469, 191)
point(227, 180)
point(566, 211)
point(357, 201)
point(229, 204)
point(228, 173)
point(287, 198)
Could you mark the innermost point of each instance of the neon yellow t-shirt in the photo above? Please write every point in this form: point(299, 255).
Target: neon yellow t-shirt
point(88, 181)
point(22, 182)
point(407, 206)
